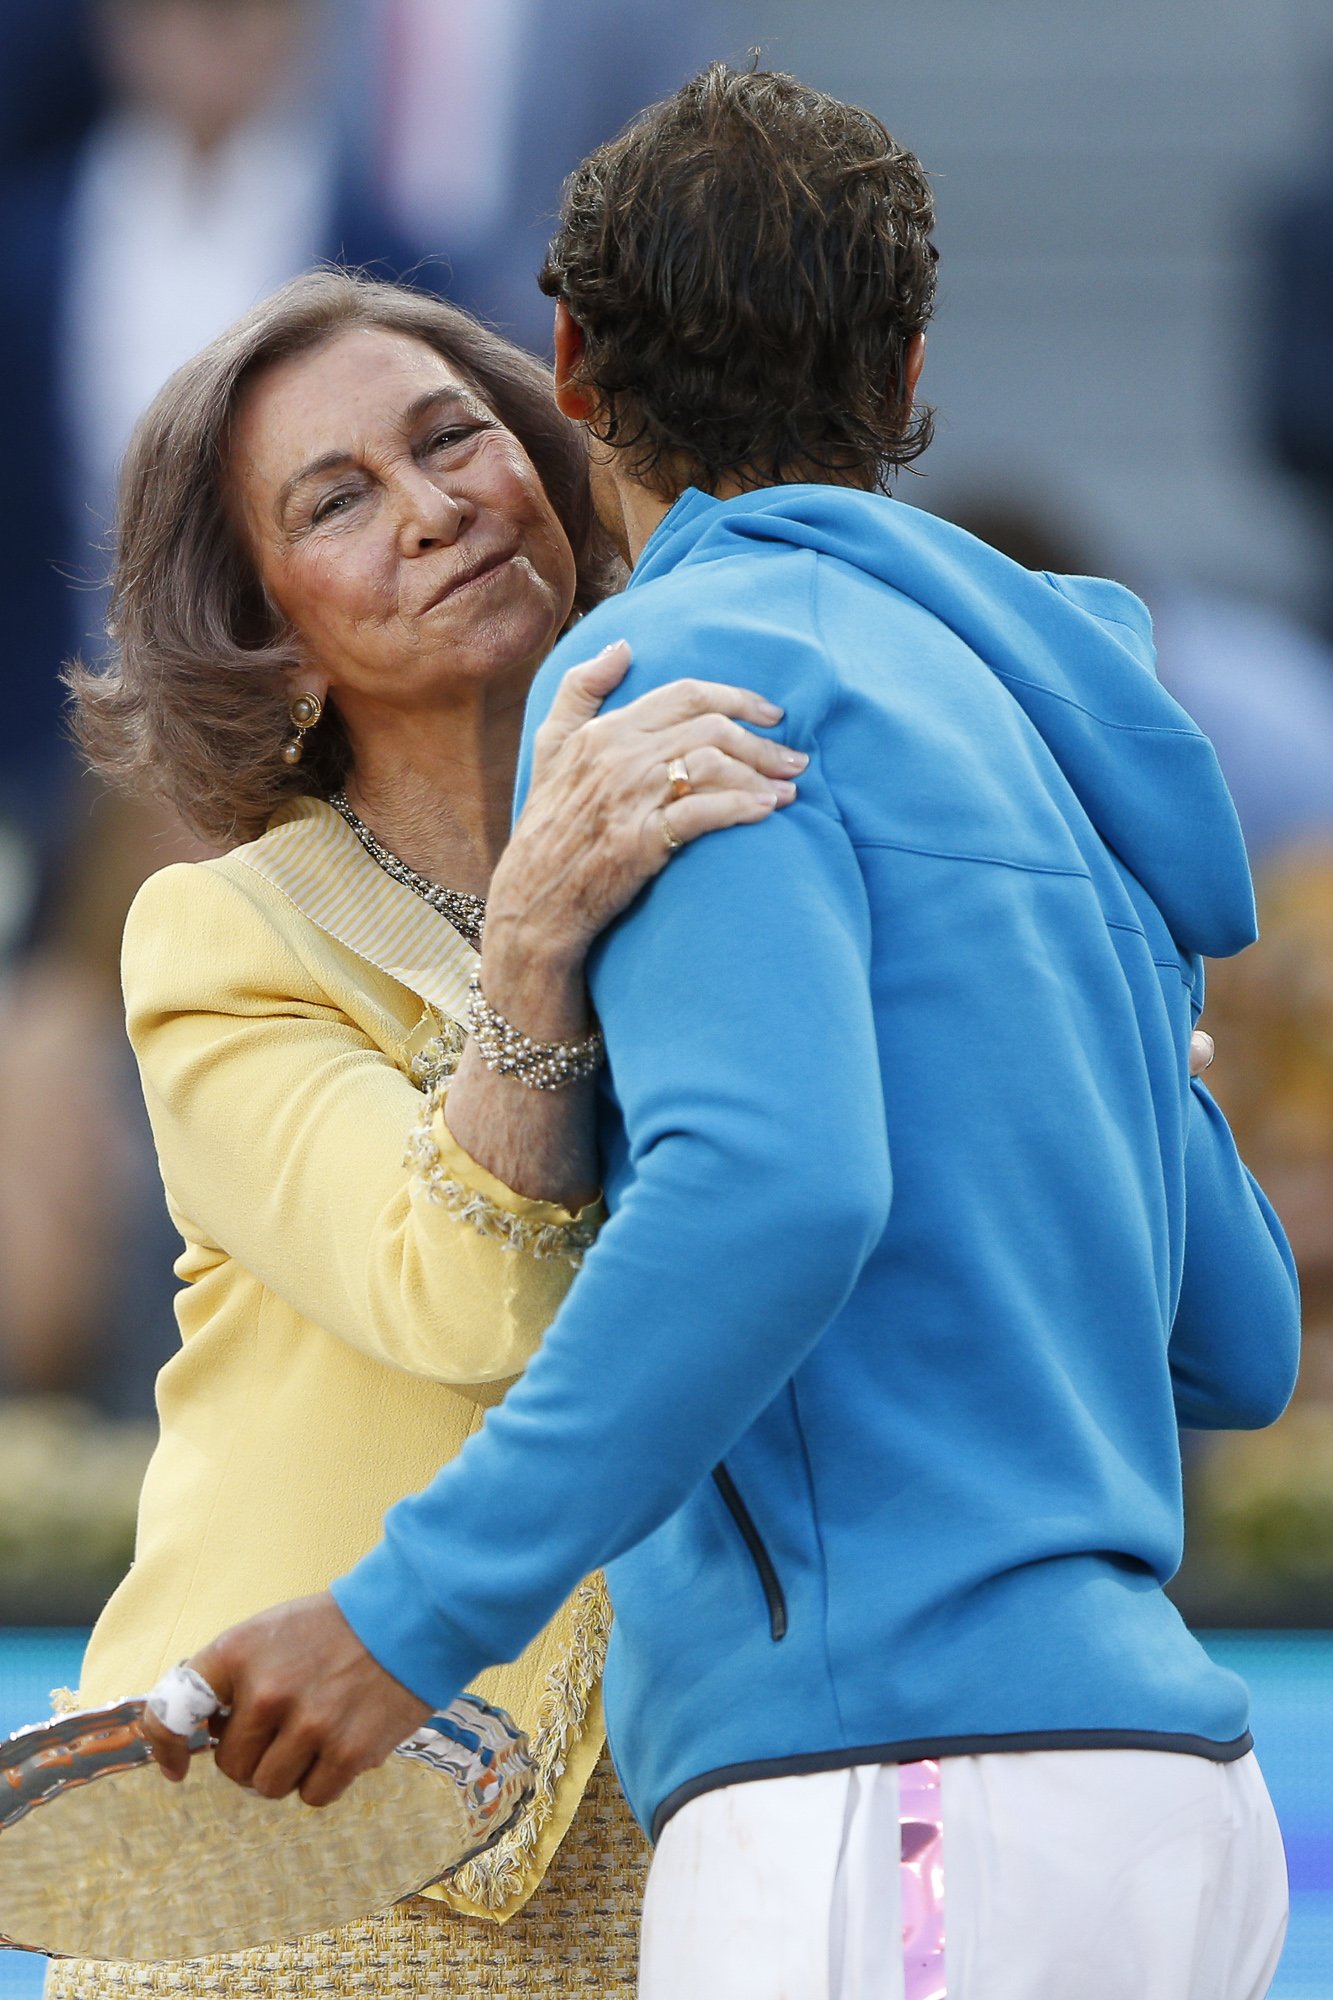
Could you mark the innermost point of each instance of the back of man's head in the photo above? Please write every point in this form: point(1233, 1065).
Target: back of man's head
point(748, 263)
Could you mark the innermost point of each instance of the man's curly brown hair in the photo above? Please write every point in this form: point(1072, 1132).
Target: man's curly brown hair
point(747, 263)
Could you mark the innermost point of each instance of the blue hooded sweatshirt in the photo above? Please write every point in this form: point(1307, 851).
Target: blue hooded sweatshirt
point(922, 1245)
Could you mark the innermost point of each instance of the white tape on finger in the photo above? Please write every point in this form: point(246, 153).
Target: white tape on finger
point(182, 1701)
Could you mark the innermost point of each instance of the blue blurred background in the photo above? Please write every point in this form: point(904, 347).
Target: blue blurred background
point(1132, 365)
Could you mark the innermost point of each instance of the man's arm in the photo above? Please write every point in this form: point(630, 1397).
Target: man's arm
point(1235, 1340)
point(735, 1002)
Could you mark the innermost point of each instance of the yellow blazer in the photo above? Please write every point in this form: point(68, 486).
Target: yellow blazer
point(356, 1289)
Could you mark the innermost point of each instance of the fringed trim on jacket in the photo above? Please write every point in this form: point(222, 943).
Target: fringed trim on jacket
point(501, 1874)
point(567, 1240)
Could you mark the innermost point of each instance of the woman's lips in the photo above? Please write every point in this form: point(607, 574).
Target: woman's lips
point(479, 573)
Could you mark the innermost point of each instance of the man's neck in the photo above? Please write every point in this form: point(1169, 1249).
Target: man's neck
point(642, 511)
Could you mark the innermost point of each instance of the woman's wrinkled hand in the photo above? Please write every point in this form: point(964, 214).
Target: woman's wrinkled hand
point(614, 796)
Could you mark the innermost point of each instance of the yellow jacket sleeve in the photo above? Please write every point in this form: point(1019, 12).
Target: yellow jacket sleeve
point(282, 1128)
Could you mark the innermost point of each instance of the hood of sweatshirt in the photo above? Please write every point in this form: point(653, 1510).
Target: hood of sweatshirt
point(1076, 654)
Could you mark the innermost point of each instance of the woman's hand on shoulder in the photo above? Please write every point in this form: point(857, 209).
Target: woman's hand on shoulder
point(614, 796)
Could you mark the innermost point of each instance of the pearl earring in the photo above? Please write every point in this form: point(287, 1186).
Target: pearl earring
point(305, 712)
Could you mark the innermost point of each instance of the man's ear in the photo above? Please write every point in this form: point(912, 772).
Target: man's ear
point(572, 398)
point(914, 360)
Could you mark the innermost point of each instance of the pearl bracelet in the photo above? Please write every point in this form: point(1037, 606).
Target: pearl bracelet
point(539, 1065)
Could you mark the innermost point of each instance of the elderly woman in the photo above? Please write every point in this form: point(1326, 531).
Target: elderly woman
point(351, 529)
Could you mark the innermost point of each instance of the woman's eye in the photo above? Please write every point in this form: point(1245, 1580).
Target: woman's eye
point(452, 434)
point(332, 503)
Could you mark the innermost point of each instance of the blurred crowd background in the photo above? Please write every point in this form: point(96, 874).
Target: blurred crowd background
point(1133, 369)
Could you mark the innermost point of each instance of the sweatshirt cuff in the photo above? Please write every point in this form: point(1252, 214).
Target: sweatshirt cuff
point(447, 1174)
point(384, 1602)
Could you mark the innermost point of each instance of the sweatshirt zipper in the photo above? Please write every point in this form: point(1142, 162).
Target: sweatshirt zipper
point(754, 1542)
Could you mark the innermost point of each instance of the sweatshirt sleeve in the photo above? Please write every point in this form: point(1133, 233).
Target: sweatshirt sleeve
point(283, 1135)
point(1236, 1335)
point(735, 1001)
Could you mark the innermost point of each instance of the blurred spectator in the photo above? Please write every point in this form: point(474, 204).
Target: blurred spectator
point(49, 87)
point(1260, 684)
point(481, 107)
point(1297, 374)
point(86, 1246)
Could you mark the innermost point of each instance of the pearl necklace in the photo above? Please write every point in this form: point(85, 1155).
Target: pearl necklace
point(467, 914)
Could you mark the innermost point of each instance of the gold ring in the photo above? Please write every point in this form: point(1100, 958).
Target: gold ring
point(671, 840)
point(679, 780)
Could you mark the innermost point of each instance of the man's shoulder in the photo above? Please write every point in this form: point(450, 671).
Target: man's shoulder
point(745, 620)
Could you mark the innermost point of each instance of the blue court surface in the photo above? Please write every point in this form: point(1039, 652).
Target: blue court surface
point(1290, 1675)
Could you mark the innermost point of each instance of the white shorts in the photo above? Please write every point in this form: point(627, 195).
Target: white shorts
point(1054, 1875)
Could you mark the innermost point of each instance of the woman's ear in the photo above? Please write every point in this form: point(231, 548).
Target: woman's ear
point(572, 398)
point(299, 680)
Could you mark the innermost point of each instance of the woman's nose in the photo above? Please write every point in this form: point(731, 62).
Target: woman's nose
point(429, 517)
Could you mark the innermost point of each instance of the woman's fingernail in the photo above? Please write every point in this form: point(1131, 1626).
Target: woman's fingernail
point(616, 646)
point(770, 712)
point(795, 760)
point(784, 791)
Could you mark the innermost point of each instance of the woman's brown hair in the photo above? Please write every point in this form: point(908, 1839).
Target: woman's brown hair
point(192, 703)
point(747, 263)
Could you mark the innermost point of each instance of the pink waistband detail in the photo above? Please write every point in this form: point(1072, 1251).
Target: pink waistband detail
point(921, 1815)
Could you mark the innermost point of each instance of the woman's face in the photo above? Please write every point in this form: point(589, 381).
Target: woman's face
point(397, 525)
